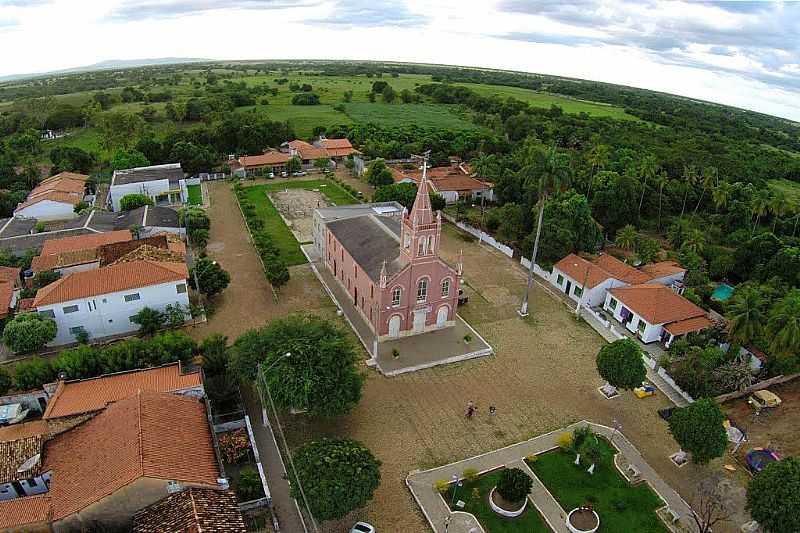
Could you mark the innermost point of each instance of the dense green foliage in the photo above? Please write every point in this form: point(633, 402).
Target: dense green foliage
point(211, 277)
point(773, 496)
point(6, 381)
point(321, 374)
point(698, 429)
point(338, 476)
point(620, 363)
point(129, 202)
point(514, 485)
point(29, 332)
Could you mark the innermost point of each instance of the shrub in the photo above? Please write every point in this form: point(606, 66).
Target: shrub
point(248, 486)
point(620, 364)
point(32, 373)
point(134, 201)
point(150, 320)
point(773, 496)
point(214, 352)
point(42, 279)
point(5, 381)
point(565, 441)
point(305, 99)
point(514, 485)
point(175, 315)
point(199, 238)
point(195, 217)
point(277, 272)
point(441, 486)
point(470, 474)
point(580, 436)
point(29, 332)
point(698, 429)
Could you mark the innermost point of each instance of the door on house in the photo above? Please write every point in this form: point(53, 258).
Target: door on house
point(355, 296)
point(567, 287)
point(419, 321)
point(394, 326)
point(441, 316)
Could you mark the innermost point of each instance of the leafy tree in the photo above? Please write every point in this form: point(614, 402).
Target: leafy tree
point(378, 174)
point(119, 129)
point(347, 96)
point(128, 159)
point(754, 254)
point(129, 202)
point(379, 86)
point(5, 381)
point(615, 205)
point(647, 250)
point(698, 429)
point(305, 99)
point(294, 164)
point(150, 320)
point(277, 272)
point(32, 373)
point(214, 354)
point(337, 476)
point(783, 325)
point(194, 218)
point(389, 95)
point(403, 193)
point(199, 238)
point(71, 159)
point(42, 279)
point(746, 315)
point(514, 485)
point(620, 364)
point(193, 158)
point(210, 275)
point(322, 163)
point(321, 375)
point(79, 362)
point(773, 496)
point(627, 237)
point(29, 332)
point(175, 315)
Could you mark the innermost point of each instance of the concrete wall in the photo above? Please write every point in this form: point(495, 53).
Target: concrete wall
point(48, 210)
point(109, 314)
point(150, 188)
point(651, 332)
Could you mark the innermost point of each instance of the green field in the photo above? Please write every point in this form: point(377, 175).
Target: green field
point(195, 194)
point(303, 118)
point(787, 188)
point(476, 496)
point(620, 505)
point(274, 226)
point(424, 115)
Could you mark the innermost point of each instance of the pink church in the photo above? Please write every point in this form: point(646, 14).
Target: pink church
point(392, 271)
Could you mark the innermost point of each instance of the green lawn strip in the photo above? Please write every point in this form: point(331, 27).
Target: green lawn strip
point(195, 194)
point(398, 114)
point(280, 233)
point(620, 505)
point(529, 522)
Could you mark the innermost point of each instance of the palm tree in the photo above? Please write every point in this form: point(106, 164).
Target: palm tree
point(721, 194)
point(626, 237)
point(546, 171)
point(779, 206)
point(759, 205)
point(660, 180)
point(783, 326)
point(690, 177)
point(484, 165)
point(648, 169)
point(598, 157)
point(695, 241)
point(708, 179)
point(794, 209)
point(746, 315)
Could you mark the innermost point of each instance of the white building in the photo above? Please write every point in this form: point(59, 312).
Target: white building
point(164, 184)
point(103, 301)
point(54, 198)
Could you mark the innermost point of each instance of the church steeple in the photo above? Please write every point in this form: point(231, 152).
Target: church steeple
point(422, 213)
point(420, 230)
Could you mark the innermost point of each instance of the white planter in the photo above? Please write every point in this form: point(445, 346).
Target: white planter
point(503, 512)
point(576, 530)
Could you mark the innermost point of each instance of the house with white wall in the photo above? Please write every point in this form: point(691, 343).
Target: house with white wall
point(164, 184)
point(452, 182)
point(102, 302)
point(54, 198)
point(654, 312)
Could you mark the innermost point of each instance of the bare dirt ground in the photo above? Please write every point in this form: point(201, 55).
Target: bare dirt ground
point(347, 177)
point(297, 207)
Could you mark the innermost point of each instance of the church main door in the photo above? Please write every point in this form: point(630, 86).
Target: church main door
point(394, 326)
point(419, 321)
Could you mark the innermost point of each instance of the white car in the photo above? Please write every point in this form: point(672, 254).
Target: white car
point(362, 527)
point(300, 173)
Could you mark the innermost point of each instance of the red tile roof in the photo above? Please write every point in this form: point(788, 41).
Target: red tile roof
point(151, 434)
point(6, 295)
point(10, 274)
point(450, 178)
point(113, 278)
point(657, 304)
point(579, 268)
point(192, 510)
point(83, 242)
point(53, 196)
point(87, 395)
point(682, 327)
point(621, 271)
point(662, 269)
point(41, 263)
point(26, 511)
point(271, 158)
point(307, 151)
point(14, 453)
point(338, 147)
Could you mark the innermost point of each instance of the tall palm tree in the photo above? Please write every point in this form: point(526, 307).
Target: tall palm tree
point(647, 169)
point(626, 237)
point(759, 205)
point(721, 195)
point(598, 157)
point(783, 326)
point(708, 180)
point(746, 315)
point(484, 165)
point(660, 180)
point(778, 206)
point(695, 241)
point(690, 178)
point(546, 171)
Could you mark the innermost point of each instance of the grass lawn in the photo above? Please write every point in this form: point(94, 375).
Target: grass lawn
point(195, 194)
point(424, 115)
point(303, 118)
point(273, 223)
point(529, 522)
point(620, 505)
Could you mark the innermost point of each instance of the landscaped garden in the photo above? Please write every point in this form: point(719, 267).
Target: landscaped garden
point(475, 492)
point(620, 505)
point(195, 194)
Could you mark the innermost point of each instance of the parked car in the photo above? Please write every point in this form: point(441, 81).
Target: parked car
point(362, 527)
point(284, 174)
point(300, 173)
point(271, 175)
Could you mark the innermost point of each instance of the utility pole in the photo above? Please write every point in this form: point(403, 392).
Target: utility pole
point(523, 310)
point(583, 291)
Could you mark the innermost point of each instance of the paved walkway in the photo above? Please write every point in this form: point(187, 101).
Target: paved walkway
point(436, 510)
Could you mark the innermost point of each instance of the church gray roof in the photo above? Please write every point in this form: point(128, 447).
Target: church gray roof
point(371, 240)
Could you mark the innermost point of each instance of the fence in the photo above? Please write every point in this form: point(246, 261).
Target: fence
point(482, 235)
point(539, 271)
point(671, 382)
point(207, 176)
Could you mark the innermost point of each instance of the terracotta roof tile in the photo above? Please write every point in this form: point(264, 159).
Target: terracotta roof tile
point(14, 453)
point(113, 278)
point(682, 327)
point(53, 196)
point(151, 434)
point(10, 274)
point(86, 395)
point(620, 270)
point(66, 175)
point(657, 304)
point(308, 151)
point(6, 295)
point(579, 268)
point(83, 242)
point(662, 269)
point(25, 511)
point(192, 510)
point(338, 147)
point(109, 253)
point(41, 263)
point(266, 159)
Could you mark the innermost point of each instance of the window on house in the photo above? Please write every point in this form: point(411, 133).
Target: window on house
point(577, 291)
point(446, 288)
point(560, 280)
point(430, 245)
point(422, 290)
point(76, 330)
point(406, 241)
point(180, 288)
point(396, 296)
point(70, 309)
point(47, 313)
point(132, 297)
point(641, 326)
point(612, 304)
point(371, 292)
point(421, 246)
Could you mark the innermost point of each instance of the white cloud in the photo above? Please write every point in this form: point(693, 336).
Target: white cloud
point(626, 43)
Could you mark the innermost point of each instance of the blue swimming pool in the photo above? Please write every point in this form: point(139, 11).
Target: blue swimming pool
point(722, 292)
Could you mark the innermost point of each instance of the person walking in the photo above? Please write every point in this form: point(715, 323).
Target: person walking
point(470, 409)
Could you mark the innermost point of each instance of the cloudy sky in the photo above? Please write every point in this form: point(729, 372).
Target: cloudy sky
point(745, 54)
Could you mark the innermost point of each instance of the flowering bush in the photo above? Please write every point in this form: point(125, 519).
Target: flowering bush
point(234, 445)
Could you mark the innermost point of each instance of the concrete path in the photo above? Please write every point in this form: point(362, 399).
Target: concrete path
point(436, 510)
point(283, 505)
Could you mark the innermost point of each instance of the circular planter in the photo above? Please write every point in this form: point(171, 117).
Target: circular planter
point(505, 512)
point(583, 521)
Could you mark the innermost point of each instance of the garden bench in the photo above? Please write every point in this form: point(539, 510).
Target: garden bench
point(673, 514)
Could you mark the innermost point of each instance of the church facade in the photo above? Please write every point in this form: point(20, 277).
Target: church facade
point(391, 269)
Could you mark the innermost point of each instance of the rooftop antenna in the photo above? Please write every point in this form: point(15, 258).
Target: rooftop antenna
point(424, 157)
